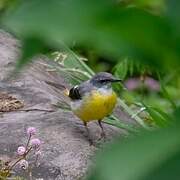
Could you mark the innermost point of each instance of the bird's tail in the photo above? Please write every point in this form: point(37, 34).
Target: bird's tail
point(59, 86)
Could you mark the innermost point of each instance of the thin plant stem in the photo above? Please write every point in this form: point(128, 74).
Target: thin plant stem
point(28, 141)
point(27, 152)
point(16, 163)
point(36, 160)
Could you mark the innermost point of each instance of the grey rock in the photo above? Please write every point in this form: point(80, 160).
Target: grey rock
point(66, 153)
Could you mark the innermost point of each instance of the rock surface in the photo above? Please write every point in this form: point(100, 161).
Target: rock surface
point(66, 150)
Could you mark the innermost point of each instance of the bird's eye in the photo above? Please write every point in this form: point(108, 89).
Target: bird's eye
point(103, 80)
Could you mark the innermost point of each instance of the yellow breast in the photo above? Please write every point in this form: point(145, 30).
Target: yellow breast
point(95, 106)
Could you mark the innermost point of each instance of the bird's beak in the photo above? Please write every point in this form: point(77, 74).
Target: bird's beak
point(116, 80)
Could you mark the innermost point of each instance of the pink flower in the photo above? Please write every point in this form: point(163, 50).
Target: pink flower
point(35, 143)
point(31, 131)
point(149, 83)
point(152, 84)
point(132, 84)
point(21, 150)
point(23, 164)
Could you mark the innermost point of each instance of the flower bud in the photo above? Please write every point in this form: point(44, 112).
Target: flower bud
point(31, 131)
point(21, 150)
point(23, 164)
point(35, 143)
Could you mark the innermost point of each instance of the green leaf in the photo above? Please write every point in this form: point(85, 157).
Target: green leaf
point(147, 156)
point(167, 95)
point(165, 115)
point(121, 69)
point(173, 12)
point(111, 30)
point(31, 47)
point(159, 117)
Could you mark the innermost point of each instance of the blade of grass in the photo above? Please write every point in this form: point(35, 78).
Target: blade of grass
point(114, 121)
point(140, 121)
point(165, 92)
point(157, 117)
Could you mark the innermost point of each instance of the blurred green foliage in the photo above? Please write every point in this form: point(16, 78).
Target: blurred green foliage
point(111, 30)
point(142, 39)
point(150, 156)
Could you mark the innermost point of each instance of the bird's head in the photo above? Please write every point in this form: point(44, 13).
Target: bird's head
point(103, 79)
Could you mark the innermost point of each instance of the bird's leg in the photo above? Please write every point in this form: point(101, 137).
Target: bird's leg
point(88, 134)
point(103, 135)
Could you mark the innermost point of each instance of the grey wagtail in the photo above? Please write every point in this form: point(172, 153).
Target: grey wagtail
point(93, 99)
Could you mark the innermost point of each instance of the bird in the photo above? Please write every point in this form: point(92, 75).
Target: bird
point(94, 99)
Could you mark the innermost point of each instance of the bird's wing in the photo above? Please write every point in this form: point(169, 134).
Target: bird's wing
point(78, 91)
point(58, 86)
